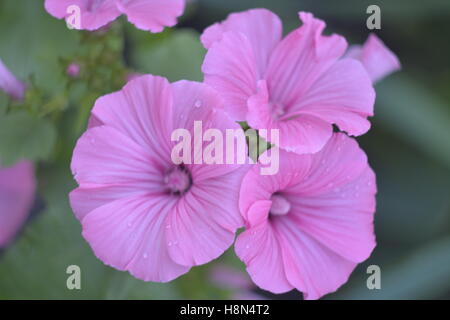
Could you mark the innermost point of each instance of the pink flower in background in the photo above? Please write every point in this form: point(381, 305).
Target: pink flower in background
point(10, 84)
point(229, 278)
point(73, 70)
point(151, 15)
point(17, 186)
point(309, 226)
point(139, 211)
point(300, 85)
point(378, 60)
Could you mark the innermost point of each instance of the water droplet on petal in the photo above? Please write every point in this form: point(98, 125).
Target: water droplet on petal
point(145, 255)
point(198, 104)
point(169, 243)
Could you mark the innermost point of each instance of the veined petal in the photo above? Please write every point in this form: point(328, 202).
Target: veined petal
point(152, 15)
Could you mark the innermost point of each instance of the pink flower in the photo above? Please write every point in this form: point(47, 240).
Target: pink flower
point(228, 278)
point(378, 60)
point(73, 70)
point(300, 85)
point(17, 186)
point(308, 226)
point(139, 211)
point(152, 15)
point(10, 84)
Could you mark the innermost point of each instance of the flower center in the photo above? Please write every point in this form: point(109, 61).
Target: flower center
point(280, 206)
point(178, 181)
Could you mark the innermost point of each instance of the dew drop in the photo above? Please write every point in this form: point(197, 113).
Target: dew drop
point(198, 104)
point(168, 226)
point(247, 247)
point(145, 255)
point(169, 243)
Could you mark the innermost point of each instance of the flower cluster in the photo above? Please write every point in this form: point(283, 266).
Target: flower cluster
point(305, 227)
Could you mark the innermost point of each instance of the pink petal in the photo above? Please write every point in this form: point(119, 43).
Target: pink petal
point(300, 59)
point(310, 267)
point(89, 197)
point(194, 237)
point(94, 13)
point(259, 249)
point(230, 67)
point(142, 110)
point(10, 84)
point(378, 59)
point(128, 234)
point(103, 155)
point(343, 95)
point(304, 134)
point(17, 187)
point(337, 201)
point(152, 15)
point(260, 26)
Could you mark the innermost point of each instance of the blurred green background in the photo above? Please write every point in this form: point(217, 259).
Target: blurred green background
point(408, 146)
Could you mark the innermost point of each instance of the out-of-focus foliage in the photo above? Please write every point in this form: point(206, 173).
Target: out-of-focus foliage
point(408, 146)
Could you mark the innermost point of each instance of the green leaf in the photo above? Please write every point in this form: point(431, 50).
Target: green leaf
point(415, 115)
point(35, 266)
point(32, 42)
point(25, 137)
point(423, 274)
point(175, 55)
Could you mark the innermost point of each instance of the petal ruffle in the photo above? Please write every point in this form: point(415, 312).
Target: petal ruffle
point(378, 59)
point(94, 14)
point(152, 15)
point(343, 95)
point(300, 59)
point(260, 26)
